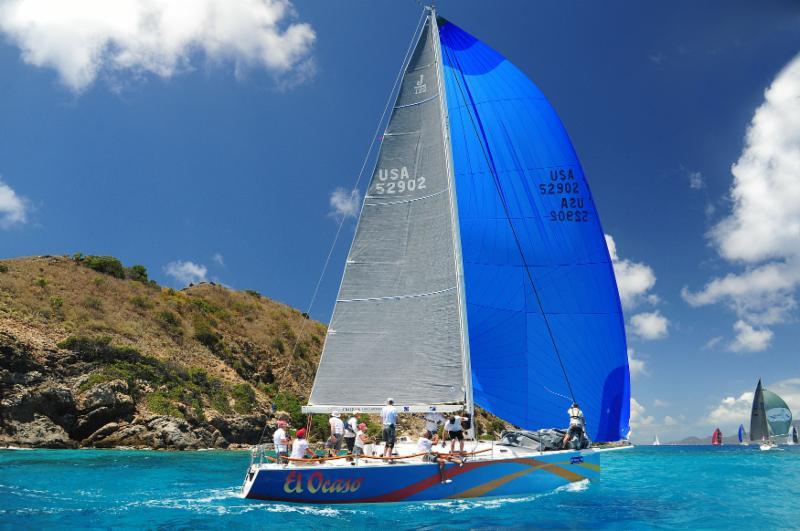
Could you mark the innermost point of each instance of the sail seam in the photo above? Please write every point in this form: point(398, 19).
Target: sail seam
point(399, 297)
point(417, 102)
point(406, 200)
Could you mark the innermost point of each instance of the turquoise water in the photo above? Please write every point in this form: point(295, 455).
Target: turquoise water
point(647, 487)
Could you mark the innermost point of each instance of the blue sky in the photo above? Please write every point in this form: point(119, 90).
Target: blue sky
point(212, 149)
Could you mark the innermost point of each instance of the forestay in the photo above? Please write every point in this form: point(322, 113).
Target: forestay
point(396, 328)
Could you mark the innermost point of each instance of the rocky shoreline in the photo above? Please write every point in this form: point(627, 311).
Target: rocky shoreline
point(45, 402)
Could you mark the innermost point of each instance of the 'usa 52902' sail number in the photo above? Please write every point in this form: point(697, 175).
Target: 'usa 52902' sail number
point(397, 181)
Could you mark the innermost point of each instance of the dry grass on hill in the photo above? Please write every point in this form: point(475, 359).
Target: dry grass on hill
point(236, 337)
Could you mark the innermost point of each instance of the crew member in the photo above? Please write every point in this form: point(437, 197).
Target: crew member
point(454, 431)
point(576, 422)
point(300, 449)
point(389, 418)
point(337, 429)
point(281, 441)
point(350, 430)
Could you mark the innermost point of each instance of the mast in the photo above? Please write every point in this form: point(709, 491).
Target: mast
point(457, 255)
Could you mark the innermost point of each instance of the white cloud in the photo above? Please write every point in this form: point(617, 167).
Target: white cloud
point(634, 279)
point(749, 339)
point(670, 421)
point(696, 181)
point(660, 403)
point(731, 410)
point(345, 203)
point(638, 417)
point(635, 364)
point(82, 39)
point(712, 343)
point(762, 231)
point(186, 272)
point(13, 208)
point(218, 259)
point(649, 325)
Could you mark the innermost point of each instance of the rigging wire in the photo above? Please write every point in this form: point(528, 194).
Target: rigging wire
point(390, 99)
point(470, 105)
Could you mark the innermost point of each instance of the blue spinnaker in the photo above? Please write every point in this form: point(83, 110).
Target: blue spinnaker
point(524, 208)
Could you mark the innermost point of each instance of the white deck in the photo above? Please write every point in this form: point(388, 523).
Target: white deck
point(489, 450)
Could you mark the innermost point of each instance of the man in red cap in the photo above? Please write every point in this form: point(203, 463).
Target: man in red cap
point(300, 446)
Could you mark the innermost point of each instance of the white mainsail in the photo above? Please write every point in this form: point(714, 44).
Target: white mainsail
point(398, 326)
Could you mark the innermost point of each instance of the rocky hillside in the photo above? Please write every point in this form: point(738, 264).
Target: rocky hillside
point(94, 354)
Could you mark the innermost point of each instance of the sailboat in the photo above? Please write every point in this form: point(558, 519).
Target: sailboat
point(656, 442)
point(794, 438)
point(770, 418)
point(478, 275)
point(742, 435)
point(716, 437)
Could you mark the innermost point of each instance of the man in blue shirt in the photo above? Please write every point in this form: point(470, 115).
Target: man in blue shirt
point(389, 418)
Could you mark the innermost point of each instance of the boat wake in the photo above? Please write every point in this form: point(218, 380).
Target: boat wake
point(458, 506)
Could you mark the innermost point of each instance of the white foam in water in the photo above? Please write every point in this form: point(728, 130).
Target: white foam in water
point(578, 486)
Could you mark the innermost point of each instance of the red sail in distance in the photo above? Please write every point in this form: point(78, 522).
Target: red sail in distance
point(716, 439)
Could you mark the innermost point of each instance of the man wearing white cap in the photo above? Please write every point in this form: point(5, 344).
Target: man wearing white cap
point(389, 418)
point(337, 428)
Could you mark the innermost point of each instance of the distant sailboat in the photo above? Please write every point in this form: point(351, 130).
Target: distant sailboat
point(770, 418)
point(656, 442)
point(716, 438)
point(793, 438)
point(742, 434)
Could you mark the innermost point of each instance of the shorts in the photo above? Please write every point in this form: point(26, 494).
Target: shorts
point(456, 435)
point(358, 450)
point(575, 430)
point(430, 458)
point(282, 456)
point(389, 435)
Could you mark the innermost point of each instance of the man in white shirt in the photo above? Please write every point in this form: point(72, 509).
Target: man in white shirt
point(389, 418)
point(300, 446)
point(454, 431)
point(576, 422)
point(281, 442)
point(361, 439)
point(350, 430)
point(432, 421)
point(337, 428)
point(425, 445)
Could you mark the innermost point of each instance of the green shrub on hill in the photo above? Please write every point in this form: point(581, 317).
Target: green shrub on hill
point(171, 323)
point(244, 398)
point(175, 384)
point(108, 265)
point(137, 273)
